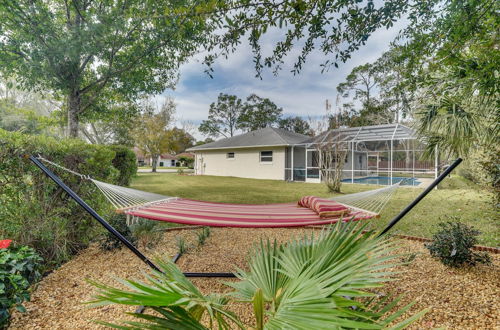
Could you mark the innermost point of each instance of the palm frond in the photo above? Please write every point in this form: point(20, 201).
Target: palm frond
point(317, 282)
point(170, 293)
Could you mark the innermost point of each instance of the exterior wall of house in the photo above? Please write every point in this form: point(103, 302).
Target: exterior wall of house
point(245, 164)
point(166, 162)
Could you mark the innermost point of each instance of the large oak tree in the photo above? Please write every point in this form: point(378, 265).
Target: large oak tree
point(82, 48)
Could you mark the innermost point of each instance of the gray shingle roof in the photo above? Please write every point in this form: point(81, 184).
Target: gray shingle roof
point(268, 136)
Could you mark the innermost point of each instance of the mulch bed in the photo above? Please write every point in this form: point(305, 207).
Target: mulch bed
point(457, 298)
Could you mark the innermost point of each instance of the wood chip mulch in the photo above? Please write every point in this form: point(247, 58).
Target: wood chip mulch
point(465, 298)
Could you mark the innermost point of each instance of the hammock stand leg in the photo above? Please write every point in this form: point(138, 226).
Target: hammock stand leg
point(421, 196)
point(110, 228)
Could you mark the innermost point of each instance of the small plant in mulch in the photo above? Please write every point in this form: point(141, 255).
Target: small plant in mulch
point(146, 232)
point(203, 235)
point(453, 243)
point(19, 267)
point(182, 246)
point(119, 222)
point(408, 258)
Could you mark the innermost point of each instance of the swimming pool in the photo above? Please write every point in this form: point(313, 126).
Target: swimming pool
point(385, 181)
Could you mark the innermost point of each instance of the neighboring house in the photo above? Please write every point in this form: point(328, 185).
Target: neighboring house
point(270, 153)
point(167, 160)
point(258, 154)
point(142, 160)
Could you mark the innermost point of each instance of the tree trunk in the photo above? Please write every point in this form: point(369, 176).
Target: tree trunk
point(74, 102)
point(154, 163)
point(331, 163)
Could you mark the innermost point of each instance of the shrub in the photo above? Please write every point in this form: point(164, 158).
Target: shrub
point(186, 161)
point(36, 212)
point(19, 267)
point(482, 167)
point(125, 161)
point(119, 222)
point(452, 245)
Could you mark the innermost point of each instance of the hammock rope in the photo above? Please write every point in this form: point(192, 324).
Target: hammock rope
point(130, 200)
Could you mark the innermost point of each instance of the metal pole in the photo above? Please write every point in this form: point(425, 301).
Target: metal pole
point(352, 162)
point(421, 196)
point(390, 168)
point(436, 162)
point(293, 176)
point(378, 160)
point(306, 165)
point(110, 228)
point(413, 161)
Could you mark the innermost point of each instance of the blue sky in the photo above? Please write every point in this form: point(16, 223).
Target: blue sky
point(303, 95)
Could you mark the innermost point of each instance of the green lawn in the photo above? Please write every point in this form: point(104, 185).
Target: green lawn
point(163, 167)
point(458, 198)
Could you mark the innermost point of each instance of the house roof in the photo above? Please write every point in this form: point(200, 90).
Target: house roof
point(365, 133)
point(168, 156)
point(265, 137)
point(185, 154)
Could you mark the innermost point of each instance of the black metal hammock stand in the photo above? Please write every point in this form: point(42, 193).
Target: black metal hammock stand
point(145, 259)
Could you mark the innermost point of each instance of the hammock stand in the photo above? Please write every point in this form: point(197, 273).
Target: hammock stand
point(145, 259)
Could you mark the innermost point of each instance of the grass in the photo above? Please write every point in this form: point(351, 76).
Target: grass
point(458, 197)
point(163, 167)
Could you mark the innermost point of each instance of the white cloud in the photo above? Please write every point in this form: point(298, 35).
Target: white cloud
point(302, 94)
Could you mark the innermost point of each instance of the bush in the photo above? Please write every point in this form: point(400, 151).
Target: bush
point(19, 267)
point(125, 161)
point(36, 212)
point(119, 222)
point(483, 167)
point(452, 245)
point(186, 161)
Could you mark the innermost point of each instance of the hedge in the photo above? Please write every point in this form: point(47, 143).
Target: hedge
point(35, 211)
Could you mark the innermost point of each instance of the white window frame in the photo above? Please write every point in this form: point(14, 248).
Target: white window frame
point(266, 161)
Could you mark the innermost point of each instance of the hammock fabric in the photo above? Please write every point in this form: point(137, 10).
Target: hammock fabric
point(192, 212)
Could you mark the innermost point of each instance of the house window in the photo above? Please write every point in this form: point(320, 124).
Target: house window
point(161, 164)
point(230, 155)
point(266, 156)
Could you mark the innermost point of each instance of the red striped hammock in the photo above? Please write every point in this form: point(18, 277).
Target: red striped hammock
point(192, 212)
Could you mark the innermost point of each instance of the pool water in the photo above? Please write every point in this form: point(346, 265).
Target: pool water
point(385, 181)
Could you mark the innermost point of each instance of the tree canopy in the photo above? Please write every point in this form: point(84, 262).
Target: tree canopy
point(296, 124)
point(151, 133)
point(82, 49)
point(223, 116)
point(259, 113)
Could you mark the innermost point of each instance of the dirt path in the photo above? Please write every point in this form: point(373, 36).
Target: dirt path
point(458, 299)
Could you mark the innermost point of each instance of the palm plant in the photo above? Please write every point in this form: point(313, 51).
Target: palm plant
point(310, 283)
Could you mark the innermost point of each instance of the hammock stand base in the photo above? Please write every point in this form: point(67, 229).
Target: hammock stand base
point(146, 260)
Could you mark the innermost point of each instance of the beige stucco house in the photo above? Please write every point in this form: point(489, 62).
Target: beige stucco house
point(258, 154)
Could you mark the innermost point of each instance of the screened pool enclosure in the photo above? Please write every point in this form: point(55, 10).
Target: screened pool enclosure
point(381, 154)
